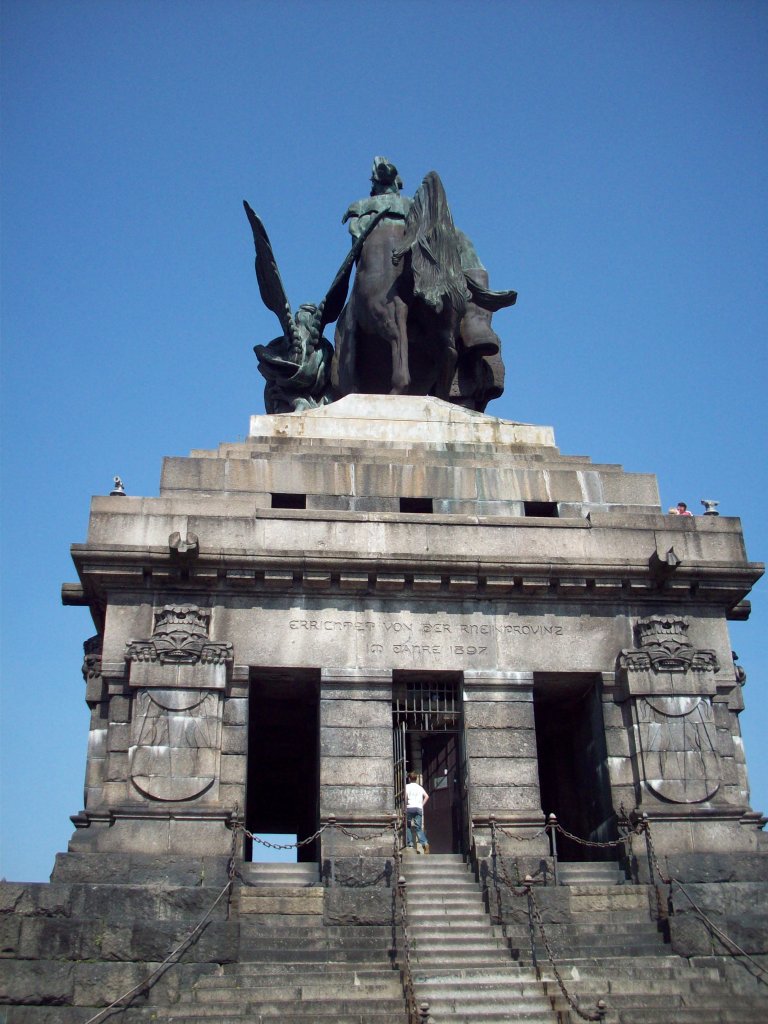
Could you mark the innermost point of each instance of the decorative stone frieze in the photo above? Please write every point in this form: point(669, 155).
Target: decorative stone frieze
point(664, 655)
point(179, 653)
point(180, 637)
point(92, 649)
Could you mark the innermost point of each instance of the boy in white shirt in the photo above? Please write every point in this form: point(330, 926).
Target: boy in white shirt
point(415, 798)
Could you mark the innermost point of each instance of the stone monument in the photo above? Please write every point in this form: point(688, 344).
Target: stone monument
point(383, 579)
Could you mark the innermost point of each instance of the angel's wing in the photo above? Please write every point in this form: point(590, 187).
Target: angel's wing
point(333, 303)
point(268, 276)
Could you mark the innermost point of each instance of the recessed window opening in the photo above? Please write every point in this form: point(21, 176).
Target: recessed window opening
point(541, 509)
point(282, 499)
point(416, 505)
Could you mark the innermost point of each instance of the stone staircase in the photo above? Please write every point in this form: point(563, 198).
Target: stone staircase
point(663, 989)
point(291, 991)
point(461, 963)
point(292, 968)
point(609, 946)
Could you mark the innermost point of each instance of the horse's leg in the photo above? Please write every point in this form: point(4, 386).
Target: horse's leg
point(401, 377)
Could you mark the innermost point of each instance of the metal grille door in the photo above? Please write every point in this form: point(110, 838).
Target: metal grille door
point(398, 740)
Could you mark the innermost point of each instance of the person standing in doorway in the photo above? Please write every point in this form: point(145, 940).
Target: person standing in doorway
point(415, 799)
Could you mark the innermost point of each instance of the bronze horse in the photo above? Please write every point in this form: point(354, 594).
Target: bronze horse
point(398, 331)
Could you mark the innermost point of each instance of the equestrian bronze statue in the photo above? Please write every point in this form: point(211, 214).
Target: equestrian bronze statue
point(418, 319)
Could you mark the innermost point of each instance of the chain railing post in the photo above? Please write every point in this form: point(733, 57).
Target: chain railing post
point(424, 1013)
point(494, 863)
point(552, 826)
point(528, 883)
point(648, 847)
point(332, 847)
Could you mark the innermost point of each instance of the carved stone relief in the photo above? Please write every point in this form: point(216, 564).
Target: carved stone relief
point(92, 650)
point(176, 724)
point(669, 680)
point(677, 741)
point(175, 743)
point(180, 637)
point(664, 647)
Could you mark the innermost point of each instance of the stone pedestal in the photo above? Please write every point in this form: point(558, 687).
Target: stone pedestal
point(387, 541)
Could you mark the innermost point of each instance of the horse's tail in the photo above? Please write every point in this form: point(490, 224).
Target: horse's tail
point(434, 246)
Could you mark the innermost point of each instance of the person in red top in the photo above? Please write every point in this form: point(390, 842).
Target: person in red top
point(682, 509)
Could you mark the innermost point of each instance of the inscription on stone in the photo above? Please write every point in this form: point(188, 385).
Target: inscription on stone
point(430, 638)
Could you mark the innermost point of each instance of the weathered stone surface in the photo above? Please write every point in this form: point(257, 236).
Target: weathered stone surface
point(356, 771)
point(496, 715)
point(36, 981)
point(282, 900)
point(496, 799)
point(359, 906)
point(140, 869)
point(350, 742)
point(500, 743)
point(714, 867)
point(335, 799)
point(505, 771)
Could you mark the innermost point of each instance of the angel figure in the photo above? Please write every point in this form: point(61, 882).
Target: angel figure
point(297, 364)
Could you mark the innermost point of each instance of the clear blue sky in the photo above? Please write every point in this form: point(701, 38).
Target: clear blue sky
point(608, 159)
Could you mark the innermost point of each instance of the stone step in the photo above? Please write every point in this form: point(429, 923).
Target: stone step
point(276, 1005)
point(304, 874)
point(455, 946)
point(275, 991)
point(296, 1015)
point(363, 971)
point(332, 954)
point(604, 872)
point(690, 1015)
point(446, 899)
point(490, 1015)
point(474, 1005)
point(441, 917)
point(283, 947)
point(437, 883)
point(289, 932)
point(510, 975)
point(441, 958)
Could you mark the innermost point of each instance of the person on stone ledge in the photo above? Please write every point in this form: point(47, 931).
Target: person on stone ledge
point(682, 509)
point(415, 799)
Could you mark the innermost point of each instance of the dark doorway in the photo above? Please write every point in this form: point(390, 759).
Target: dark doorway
point(428, 740)
point(573, 761)
point(440, 769)
point(283, 771)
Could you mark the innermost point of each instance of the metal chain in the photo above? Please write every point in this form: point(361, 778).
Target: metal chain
point(414, 1017)
point(168, 962)
point(646, 827)
point(309, 839)
point(589, 842)
point(599, 1013)
point(526, 890)
point(670, 881)
point(281, 846)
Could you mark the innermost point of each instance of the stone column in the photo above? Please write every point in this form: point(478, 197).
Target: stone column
point(356, 761)
point(503, 776)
